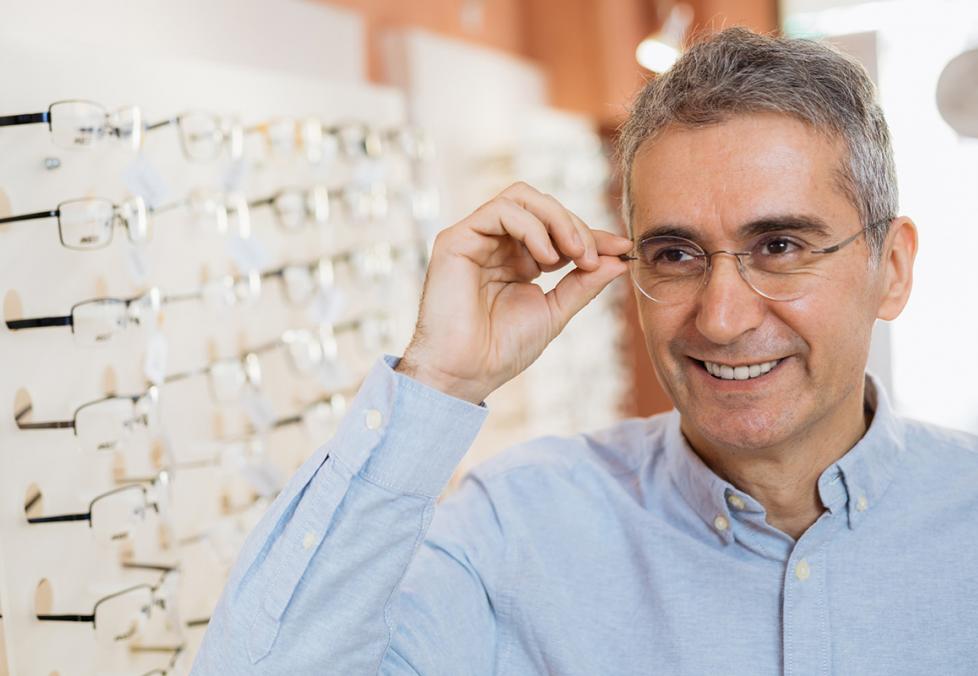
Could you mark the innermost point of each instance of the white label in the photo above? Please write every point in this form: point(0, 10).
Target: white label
point(137, 263)
point(259, 409)
point(327, 306)
point(154, 365)
point(248, 253)
point(141, 178)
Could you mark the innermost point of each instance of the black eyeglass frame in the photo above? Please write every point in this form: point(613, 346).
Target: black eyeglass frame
point(69, 319)
point(151, 392)
point(56, 213)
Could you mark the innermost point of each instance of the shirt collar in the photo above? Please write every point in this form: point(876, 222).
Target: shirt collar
point(853, 484)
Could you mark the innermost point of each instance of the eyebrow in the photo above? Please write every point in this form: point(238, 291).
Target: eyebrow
point(797, 223)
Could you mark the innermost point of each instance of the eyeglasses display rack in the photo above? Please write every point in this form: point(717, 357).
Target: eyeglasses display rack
point(198, 264)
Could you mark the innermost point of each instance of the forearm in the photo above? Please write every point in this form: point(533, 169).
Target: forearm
point(316, 578)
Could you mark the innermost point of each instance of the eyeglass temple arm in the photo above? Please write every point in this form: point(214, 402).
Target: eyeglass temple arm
point(26, 118)
point(289, 420)
point(836, 247)
point(57, 518)
point(38, 322)
point(183, 375)
point(30, 217)
point(164, 123)
point(163, 568)
point(67, 618)
point(54, 425)
point(181, 297)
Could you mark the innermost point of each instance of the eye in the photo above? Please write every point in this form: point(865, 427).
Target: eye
point(777, 246)
point(673, 255)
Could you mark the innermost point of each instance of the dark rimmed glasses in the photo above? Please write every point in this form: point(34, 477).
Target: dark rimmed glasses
point(779, 266)
point(111, 516)
point(89, 222)
point(77, 123)
point(121, 615)
point(96, 321)
point(101, 425)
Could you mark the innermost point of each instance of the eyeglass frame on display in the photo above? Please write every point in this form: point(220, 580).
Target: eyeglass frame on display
point(86, 618)
point(116, 218)
point(48, 118)
point(153, 294)
point(88, 516)
point(151, 392)
point(232, 135)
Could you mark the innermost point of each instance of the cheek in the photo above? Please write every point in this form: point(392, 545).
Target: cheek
point(833, 325)
point(661, 325)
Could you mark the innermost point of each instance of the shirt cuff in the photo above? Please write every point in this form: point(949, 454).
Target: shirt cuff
point(420, 433)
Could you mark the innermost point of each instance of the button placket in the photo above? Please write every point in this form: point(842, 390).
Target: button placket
point(807, 640)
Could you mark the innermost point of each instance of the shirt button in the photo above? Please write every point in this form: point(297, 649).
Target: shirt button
point(802, 571)
point(721, 523)
point(308, 540)
point(862, 503)
point(374, 419)
point(736, 501)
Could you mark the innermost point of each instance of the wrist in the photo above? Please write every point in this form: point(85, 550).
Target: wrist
point(444, 383)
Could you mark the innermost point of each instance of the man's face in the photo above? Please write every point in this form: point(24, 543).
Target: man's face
point(711, 182)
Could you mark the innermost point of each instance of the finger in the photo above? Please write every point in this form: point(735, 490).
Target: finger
point(610, 244)
point(503, 216)
point(591, 249)
point(552, 213)
point(606, 243)
point(578, 287)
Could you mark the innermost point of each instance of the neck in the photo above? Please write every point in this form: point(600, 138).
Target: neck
point(784, 477)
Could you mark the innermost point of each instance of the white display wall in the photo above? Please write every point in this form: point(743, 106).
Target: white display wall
point(217, 447)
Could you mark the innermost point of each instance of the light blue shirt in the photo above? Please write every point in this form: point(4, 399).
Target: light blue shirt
point(612, 553)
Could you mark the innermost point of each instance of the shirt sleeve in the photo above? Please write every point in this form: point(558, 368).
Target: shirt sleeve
point(316, 586)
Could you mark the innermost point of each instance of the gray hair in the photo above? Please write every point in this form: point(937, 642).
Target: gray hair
point(737, 72)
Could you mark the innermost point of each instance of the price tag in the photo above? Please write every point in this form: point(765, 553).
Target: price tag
point(138, 264)
point(154, 365)
point(248, 253)
point(258, 408)
point(143, 179)
point(327, 306)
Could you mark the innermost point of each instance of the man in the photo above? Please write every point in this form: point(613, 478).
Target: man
point(781, 520)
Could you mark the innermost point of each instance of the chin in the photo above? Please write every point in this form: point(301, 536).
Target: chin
point(740, 429)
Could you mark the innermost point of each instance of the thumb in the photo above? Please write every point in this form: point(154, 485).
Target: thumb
point(578, 287)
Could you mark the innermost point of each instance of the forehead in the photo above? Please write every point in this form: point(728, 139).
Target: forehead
point(714, 179)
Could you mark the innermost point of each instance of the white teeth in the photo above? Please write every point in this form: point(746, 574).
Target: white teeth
point(739, 372)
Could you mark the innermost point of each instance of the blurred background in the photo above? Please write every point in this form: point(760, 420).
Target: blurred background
point(474, 94)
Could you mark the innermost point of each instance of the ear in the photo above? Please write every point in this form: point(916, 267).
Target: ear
point(896, 267)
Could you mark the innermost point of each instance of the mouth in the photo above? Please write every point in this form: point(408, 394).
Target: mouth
point(753, 370)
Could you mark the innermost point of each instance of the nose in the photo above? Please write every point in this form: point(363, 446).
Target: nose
point(727, 306)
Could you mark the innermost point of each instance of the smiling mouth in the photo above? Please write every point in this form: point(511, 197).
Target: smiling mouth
point(739, 372)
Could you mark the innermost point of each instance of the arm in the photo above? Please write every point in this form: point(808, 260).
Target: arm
point(316, 584)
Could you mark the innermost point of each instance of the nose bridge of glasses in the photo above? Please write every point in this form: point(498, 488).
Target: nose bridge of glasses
point(710, 272)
